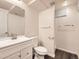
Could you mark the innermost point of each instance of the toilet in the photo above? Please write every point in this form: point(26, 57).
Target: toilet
point(40, 52)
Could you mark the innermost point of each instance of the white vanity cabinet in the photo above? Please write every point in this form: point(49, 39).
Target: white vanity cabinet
point(21, 50)
point(26, 53)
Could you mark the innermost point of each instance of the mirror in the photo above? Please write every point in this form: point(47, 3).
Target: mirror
point(12, 19)
point(61, 9)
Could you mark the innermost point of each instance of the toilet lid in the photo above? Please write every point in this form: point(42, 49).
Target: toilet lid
point(41, 49)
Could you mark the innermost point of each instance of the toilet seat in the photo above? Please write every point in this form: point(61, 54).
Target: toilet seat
point(41, 50)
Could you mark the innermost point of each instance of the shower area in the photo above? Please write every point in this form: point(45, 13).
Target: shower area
point(67, 26)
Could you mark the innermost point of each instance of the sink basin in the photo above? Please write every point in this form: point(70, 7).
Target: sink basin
point(7, 41)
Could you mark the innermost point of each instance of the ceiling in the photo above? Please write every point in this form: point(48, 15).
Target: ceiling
point(40, 5)
point(27, 1)
point(60, 3)
point(18, 11)
point(68, 1)
point(5, 5)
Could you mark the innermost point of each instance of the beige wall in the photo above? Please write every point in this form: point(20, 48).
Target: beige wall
point(31, 23)
point(67, 38)
point(16, 24)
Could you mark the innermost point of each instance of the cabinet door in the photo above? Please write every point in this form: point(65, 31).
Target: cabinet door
point(28, 57)
point(14, 56)
point(26, 52)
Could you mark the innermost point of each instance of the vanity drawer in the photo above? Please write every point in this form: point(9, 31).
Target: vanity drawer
point(26, 44)
point(29, 57)
point(9, 50)
point(26, 52)
point(24, 47)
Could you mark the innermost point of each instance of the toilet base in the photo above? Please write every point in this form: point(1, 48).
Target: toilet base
point(38, 56)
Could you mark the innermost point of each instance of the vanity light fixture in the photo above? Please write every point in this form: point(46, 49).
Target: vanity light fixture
point(19, 0)
point(65, 3)
point(31, 2)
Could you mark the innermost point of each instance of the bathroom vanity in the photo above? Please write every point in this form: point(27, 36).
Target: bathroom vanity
point(20, 48)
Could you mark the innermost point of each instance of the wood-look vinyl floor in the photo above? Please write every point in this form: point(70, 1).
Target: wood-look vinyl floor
point(62, 55)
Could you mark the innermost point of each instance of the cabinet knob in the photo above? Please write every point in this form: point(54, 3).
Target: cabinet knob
point(27, 53)
point(19, 55)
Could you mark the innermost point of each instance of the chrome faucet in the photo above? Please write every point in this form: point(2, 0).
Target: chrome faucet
point(14, 36)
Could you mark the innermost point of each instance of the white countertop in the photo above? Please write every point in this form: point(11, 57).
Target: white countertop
point(8, 42)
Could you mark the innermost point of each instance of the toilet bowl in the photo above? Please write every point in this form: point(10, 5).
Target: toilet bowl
point(40, 52)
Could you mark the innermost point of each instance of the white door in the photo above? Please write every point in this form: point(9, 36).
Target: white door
point(46, 29)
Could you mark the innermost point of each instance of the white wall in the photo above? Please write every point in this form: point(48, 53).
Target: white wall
point(31, 23)
point(68, 39)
